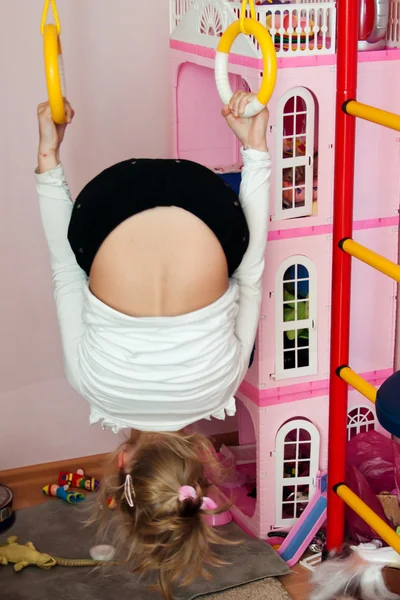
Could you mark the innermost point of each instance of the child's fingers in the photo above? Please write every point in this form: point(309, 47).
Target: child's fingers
point(243, 102)
point(233, 100)
point(69, 112)
point(236, 100)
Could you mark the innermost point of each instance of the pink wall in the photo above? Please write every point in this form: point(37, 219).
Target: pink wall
point(202, 134)
point(118, 79)
point(377, 148)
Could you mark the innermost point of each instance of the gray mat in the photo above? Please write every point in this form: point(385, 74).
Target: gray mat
point(57, 528)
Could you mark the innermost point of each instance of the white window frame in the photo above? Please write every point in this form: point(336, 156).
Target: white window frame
point(281, 481)
point(306, 161)
point(369, 420)
point(311, 323)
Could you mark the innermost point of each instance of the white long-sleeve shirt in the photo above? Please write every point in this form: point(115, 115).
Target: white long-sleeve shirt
point(157, 373)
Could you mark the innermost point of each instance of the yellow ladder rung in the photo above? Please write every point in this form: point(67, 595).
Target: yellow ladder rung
point(372, 114)
point(371, 258)
point(368, 515)
point(357, 382)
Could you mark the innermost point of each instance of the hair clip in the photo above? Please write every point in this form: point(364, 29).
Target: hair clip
point(187, 491)
point(129, 491)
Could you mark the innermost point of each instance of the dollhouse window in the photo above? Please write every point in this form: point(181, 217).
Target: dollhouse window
point(297, 462)
point(296, 155)
point(360, 420)
point(211, 21)
point(295, 318)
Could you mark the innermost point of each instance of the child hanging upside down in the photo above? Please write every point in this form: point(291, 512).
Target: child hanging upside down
point(157, 271)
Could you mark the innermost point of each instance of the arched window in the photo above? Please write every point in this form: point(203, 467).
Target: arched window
point(296, 465)
point(296, 318)
point(296, 155)
point(360, 420)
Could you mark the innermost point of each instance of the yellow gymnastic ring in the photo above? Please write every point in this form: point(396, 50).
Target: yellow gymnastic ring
point(267, 47)
point(52, 54)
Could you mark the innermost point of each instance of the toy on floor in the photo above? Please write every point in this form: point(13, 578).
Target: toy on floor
point(318, 543)
point(63, 493)
point(112, 503)
point(102, 553)
point(7, 514)
point(292, 545)
point(23, 556)
point(78, 480)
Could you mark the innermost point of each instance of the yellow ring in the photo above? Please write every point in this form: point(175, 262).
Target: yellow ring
point(267, 50)
point(52, 51)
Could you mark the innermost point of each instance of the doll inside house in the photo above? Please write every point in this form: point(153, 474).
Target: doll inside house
point(295, 145)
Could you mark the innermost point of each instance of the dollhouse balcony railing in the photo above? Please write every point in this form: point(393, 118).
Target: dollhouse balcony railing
point(301, 29)
point(393, 30)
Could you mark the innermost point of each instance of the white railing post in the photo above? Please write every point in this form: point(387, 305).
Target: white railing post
point(306, 28)
point(393, 30)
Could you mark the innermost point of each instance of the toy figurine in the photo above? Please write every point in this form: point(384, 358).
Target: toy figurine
point(78, 480)
point(112, 504)
point(63, 493)
point(23, 556)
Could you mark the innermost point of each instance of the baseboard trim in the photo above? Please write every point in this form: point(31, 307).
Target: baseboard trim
point(48, 472)
point(45, 473)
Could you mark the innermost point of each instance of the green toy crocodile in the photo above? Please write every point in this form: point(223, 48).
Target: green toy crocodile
point(23, 556)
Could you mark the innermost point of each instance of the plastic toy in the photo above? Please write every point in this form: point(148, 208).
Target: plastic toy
point(283, 405)
point(62, 493)
point(78, 480)
point(373, 24)
point(23, 556)
point(111, 503)
point(53, 63)
point(378, 554)
point(344, 247)
point(307, 526)
point(102, 553)
point(248, 27)
point(222, 518)
point(287, 21)
point(7, 514)
point(266, 2)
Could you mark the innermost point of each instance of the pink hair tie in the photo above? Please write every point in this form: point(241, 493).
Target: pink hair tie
point(187, 491)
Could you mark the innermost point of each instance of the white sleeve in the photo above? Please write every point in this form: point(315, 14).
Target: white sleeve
point(69, 279)
point(254, 198)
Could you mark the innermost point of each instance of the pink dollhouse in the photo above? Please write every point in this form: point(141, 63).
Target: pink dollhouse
point(283, 403)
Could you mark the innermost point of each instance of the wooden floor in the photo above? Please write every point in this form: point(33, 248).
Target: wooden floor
point(27, 484)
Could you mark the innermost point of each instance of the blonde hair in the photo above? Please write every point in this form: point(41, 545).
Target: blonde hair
point(162, 534)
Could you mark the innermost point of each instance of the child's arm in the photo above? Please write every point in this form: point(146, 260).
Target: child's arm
point(68, 278)
point(56, 208)
point(254, 197)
